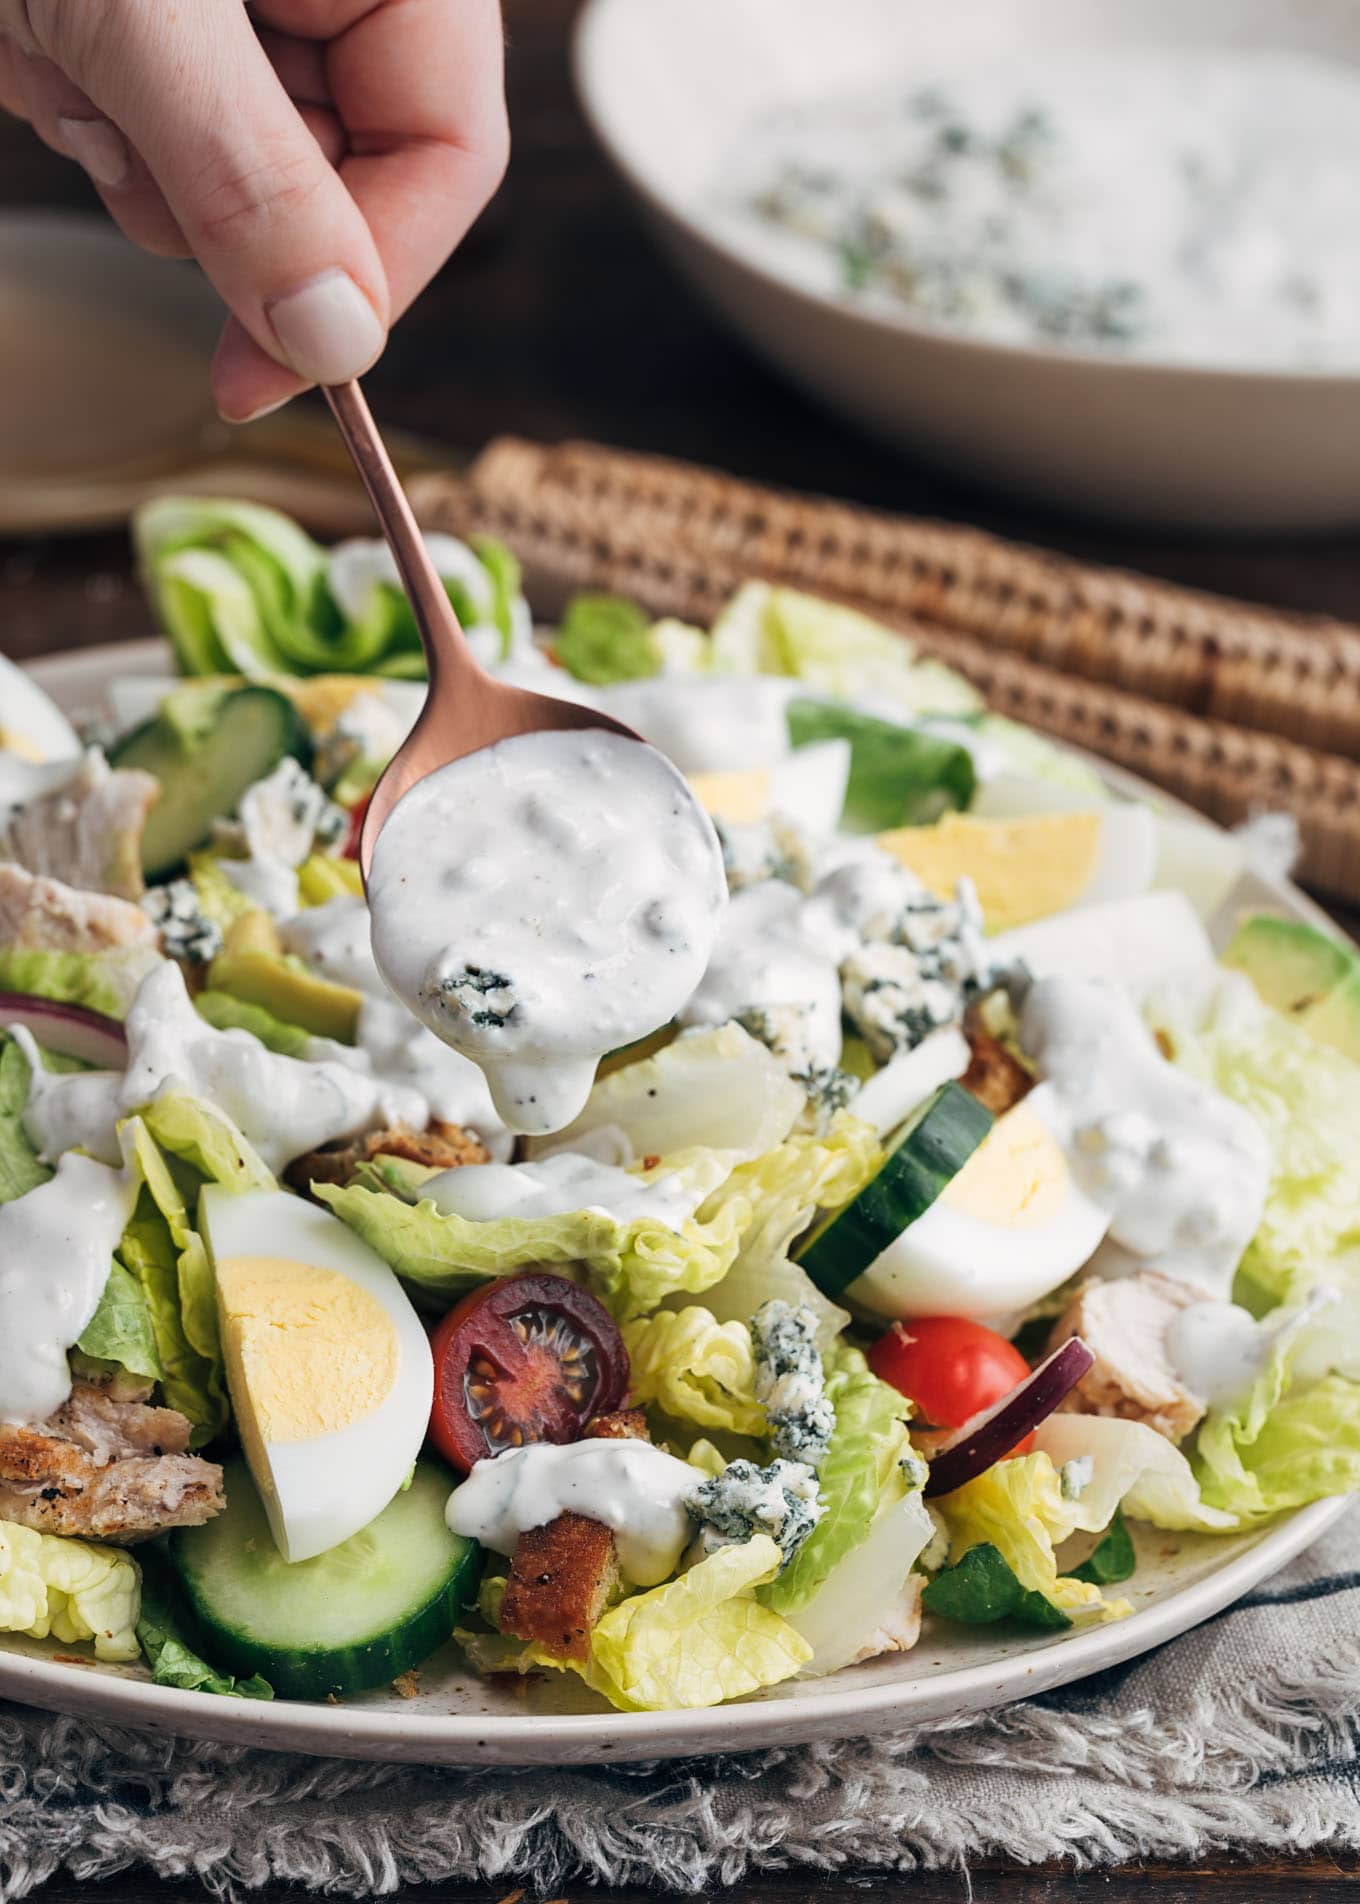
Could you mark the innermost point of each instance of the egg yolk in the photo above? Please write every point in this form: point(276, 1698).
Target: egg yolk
point(12, 742)
point(1016, 1179)
point(308, 1352)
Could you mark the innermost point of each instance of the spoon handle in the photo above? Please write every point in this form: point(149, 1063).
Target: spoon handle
point(440, 635)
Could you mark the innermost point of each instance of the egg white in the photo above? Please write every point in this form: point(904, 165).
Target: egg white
point(952, 1262)
point(320, 1490)
point(31, 723)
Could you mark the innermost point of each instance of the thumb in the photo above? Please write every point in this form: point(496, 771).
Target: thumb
point(262, 208)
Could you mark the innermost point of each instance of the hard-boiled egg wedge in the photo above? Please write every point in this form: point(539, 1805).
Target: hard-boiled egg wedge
point(1009, 1227)
point(31, 723)
point(328, 1366)
point(1033, 865)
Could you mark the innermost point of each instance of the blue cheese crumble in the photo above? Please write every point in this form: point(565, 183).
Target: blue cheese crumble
point(790, 1383)
point(781, 1500)
point(934, 963)
point(187, 933)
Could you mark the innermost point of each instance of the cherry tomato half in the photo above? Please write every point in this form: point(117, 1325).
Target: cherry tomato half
point(350, 849)
point(527, 1358)
point(951, 1368)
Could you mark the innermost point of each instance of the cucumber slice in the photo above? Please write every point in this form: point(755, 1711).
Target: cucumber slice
point(371, 1608)
point(202, 777)
point(928, 1154)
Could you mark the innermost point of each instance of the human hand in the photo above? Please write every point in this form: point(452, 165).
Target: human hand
point(320, 158)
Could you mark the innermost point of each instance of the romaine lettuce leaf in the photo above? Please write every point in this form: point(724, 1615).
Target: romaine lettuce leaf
point(507, 582)
point(206, 1139)
point(104, 982)
point(700, 1639)
point(1131, 1466)
point(20, 1170)
point(172, 1660)
point(1306, 1097)
point(68, 1590)
point(1036, 757)
point(837, 650)
point(859, 1475)
point(605, 638)
point(717, 1087)
point(899, 776)
point(695, 1369)
point(121, 1331)
point(1018, 1507)
point(866, 1604)
point(631, 1266)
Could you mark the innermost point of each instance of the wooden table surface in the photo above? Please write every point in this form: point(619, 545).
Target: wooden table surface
point(557, 320)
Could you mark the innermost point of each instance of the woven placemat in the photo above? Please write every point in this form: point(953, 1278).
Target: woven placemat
point(1232, 708)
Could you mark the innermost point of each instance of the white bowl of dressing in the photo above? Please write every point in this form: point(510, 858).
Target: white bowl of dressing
point(672, 86)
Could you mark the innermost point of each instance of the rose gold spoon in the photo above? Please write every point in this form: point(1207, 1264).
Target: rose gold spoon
point(465, 709)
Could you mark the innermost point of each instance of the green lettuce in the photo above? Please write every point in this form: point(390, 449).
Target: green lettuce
point(236, 585)
point(1306, 1097)
point(218, 899)
point(899, 776)
point(20, 1170)
point(859, 1474)
point(699, 1640)
point(121, 1330)
point(837, 650)
point(1018, 1508)
point(1036, 758)
point(104, 982)
point(507, 583)
point(717, 1086)
point(172, 1660)
point(1133, 1468)
point(205, 1138)
point(983, 1588)
point(606, 638)
point(695, 1369)
point(631, 1266)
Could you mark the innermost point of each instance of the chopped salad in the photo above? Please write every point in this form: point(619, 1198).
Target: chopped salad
point(968, 1215)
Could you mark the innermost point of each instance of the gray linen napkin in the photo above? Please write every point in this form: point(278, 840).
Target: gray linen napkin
point(1243, 1734)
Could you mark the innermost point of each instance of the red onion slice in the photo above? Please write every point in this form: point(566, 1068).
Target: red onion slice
point(990, 1435)
point(69, 1030)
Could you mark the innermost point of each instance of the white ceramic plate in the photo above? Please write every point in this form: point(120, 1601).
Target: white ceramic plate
point(668, 85)
point(459, 1719)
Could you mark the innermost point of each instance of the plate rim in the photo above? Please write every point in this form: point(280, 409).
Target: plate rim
point(489, 1738)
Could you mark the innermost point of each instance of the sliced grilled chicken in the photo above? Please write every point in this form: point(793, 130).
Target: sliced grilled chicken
point(87, 832)
point(441, 1147)
point(1123, 1322)
point(43, 915)
point(106, 1469)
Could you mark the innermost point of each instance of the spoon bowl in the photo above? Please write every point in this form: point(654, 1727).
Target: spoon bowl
point(465, 708)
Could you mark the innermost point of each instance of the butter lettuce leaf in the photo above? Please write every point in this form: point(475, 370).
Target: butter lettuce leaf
point(605, 638)
point(695, 1369)
point(859, 1474)
point(68, 1590)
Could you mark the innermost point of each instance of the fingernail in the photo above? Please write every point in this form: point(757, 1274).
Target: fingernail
point(328, 331)
point(99, 147)
point(253, 416)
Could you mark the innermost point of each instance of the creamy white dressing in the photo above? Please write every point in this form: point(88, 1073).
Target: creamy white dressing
point(706, 723)
point(282, 1106)
point(1181, 1169)
point(1217, 1350)
point(542, 902)
point(634, 1488)
point(56, 1244)
point(762, 963)
point(334, 939)
point(560, 1184)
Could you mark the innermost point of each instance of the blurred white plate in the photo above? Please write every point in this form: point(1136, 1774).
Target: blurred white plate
point(669, 85)
point(458, 1719)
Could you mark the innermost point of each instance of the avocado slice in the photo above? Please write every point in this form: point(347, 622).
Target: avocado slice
point(1336, 1020)
point(1294, 967)
point(289, 991)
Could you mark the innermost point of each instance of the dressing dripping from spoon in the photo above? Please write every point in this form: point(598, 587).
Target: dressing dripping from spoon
point(544, 886)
